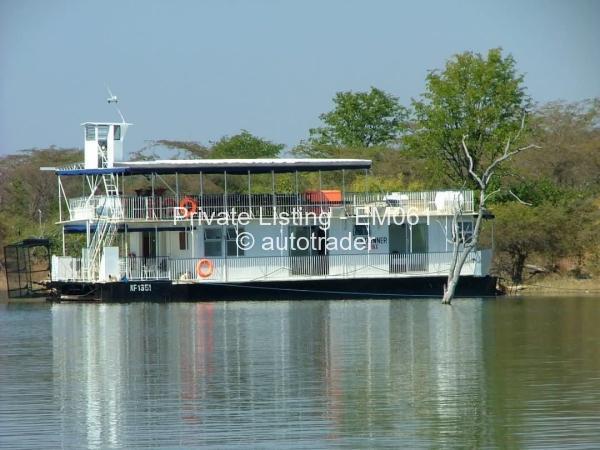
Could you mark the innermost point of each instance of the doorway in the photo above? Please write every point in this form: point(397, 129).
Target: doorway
point(307, 250)
point(148, 244)
point(409, 247)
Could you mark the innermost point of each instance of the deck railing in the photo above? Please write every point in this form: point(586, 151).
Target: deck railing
point(162, 208)
point(272, 268)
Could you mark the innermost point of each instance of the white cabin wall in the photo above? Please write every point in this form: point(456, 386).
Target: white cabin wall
point(340, 228)
point(172, 245)
point(162, 244)
point(110, 146)
point(380, 238)
point(90, 151)
point(195, 243)
point(135, 243)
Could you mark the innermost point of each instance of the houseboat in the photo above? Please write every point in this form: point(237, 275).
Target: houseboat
point(239, 229)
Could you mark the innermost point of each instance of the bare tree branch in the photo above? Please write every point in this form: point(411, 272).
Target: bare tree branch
point(491, 194)
point(471, 168)
point(518, 199)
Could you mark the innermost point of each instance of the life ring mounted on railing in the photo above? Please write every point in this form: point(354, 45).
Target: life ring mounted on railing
point(204, 268)
point(190, 205)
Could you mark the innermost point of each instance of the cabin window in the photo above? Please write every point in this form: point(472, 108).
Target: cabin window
point(212, 242)
point(117, 132)
point(360, 230)
point(465, 230)
point(90, 133)
point(183, 240)
point(233, 248)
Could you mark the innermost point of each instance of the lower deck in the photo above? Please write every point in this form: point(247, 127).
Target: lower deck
point(273, 268)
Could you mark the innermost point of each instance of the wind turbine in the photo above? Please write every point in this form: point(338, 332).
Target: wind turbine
point(113, 99)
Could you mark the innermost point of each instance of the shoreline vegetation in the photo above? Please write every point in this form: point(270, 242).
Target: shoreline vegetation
point(546, 201)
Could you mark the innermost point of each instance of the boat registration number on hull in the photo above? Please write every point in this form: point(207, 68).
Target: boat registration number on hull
point(140, 287)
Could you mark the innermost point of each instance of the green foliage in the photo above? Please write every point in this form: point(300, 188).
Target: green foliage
point(535, 192)
point(241, 145)
point(244, 145)
point(477, 96)
point(359, 119)
point(190, 149)
point(569, 134)
point(26, 193)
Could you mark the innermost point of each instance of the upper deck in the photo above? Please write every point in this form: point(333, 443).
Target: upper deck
point(149, 208)
point(165, 191)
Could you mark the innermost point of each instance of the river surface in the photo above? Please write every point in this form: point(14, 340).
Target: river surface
point(504, 373)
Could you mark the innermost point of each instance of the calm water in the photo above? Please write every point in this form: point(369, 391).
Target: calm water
point(373, 374)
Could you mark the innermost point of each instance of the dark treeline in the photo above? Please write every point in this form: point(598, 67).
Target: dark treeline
point(546, 201)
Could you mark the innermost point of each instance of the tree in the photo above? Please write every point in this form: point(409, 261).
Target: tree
point(471, 118)
point(245, 145)
point(570, 136)
point(526, 230)
point(26, 193)
point(361, 120)
point(481, 99)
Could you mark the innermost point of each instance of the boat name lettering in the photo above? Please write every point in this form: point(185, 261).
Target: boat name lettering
point(141, 287)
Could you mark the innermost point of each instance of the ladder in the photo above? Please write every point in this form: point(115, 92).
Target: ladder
point(110, 213)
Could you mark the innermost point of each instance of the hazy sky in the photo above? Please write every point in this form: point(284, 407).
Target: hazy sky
point(199, 70)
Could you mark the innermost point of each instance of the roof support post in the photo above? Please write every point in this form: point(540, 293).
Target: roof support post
point(297, 189)
point(126, 247)
point(153, 199)
point(320, 190)
point(225, 192)
point(249, 194)
point(201, 189)
point(60, 207)
point(87, 235)
point(344, 189)
point(177, 186)
point(274, 200)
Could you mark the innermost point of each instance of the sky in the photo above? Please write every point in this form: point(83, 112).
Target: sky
point(199, 70)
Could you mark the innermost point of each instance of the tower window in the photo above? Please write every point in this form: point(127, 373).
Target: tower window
point(102, 132)
point(90, 133)
point(117, 132)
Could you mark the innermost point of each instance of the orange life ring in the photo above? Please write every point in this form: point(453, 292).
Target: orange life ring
point(204, 268)
point(190, 205)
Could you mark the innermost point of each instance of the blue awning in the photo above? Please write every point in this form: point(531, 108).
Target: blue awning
point(67, 172)
point(81, 228)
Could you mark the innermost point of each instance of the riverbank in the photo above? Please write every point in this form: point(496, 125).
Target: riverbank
point(557, 285)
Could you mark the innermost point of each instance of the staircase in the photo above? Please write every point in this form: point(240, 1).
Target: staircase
point(109, 213)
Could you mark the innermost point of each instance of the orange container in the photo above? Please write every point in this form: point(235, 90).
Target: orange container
point(324, 196)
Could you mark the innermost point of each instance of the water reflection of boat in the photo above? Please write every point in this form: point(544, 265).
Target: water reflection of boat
point(310, 371)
